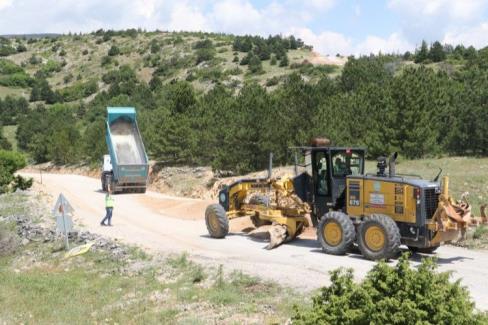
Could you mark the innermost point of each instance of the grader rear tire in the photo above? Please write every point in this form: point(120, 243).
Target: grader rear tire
point(379, 237)
point(259, 200)
point(336, 233)
point(217, 221)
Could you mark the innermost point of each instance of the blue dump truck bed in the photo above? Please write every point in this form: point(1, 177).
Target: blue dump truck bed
point(129, 160)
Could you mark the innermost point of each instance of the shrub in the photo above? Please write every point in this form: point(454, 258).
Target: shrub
point(20, 79)
point(114, 50)
point(9, 67)
point(106, 60)
point(272, 81)
point(392, 295)
point(21, 48)
point(273, 60)
point(205, 54)
point(284, 61)
point(255, 65)
point(203, 44)
point(10, 162)
point(155, 47)
point(79, 90)
point(34, 60)
point(6, 50)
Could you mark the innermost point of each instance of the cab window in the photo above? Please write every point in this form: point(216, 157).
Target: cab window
point(344, 163)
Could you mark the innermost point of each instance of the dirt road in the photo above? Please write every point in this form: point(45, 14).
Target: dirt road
point(168, 224)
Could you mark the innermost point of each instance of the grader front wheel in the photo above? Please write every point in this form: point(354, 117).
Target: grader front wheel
point(336, 233)
point(217, 221)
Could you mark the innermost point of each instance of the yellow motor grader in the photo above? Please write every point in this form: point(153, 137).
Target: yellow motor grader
point(378, 212)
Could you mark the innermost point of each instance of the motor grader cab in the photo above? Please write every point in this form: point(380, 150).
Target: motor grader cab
point(378, 212)
point(324, 182)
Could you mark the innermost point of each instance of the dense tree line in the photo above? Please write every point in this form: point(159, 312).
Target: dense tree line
point(376, 102)
point(438, 52)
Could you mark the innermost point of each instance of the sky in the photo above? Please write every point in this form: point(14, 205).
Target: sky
point(331, 26)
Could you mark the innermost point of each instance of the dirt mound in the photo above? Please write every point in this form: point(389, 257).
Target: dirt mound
point(318, 59)
point(184, 181)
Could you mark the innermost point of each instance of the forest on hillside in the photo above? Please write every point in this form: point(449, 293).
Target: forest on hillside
point(417, 109)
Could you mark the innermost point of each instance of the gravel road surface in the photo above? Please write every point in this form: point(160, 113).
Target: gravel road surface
point(168, 224)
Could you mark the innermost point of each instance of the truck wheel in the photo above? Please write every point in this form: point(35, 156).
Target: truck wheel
point(379, 237)
point(259, 200)
point(104, 184)
point(217, 221)
point(423, 250)
point(336, 233)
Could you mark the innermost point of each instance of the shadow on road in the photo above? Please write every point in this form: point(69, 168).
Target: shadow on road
point(440, 260)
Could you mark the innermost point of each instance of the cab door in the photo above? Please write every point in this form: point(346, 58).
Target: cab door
point(322, 191)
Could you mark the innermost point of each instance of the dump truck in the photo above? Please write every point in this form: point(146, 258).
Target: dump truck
point(125, 168)
point(377, 212)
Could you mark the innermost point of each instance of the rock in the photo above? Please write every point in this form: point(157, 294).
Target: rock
point(25, 241)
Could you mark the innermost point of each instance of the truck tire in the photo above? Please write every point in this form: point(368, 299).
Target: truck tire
point(259, 200)
point(336, 233)
point(423, 250)
point(104, 184)
point(216, 221)
point(379, 237)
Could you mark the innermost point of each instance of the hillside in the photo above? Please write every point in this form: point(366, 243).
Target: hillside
point(226, 101)
point(71, 61)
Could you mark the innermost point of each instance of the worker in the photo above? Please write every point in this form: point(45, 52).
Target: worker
point(339, 166)
point(109, 207)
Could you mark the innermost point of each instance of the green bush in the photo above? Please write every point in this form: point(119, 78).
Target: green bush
point(114, 50)
point(392, 295)
point(19, 79)
point(9, 67)
point(79, 90)
point(6, 50)
point(204, 54)
point(10, 162)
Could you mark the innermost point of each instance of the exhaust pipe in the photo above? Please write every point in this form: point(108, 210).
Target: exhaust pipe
point(392, 165)
point(270, 166)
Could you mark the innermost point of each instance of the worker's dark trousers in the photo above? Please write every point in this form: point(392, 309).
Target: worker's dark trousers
point(108, 216)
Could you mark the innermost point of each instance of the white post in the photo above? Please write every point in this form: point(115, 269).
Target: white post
point(64, 223)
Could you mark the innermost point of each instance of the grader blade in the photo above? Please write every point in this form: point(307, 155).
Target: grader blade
point(453, 218)
point(276, 234)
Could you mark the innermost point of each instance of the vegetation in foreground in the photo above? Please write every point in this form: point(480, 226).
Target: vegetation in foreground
point(39, 285)
point(392, 295)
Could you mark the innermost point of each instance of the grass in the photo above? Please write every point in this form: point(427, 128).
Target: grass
point(465, 175)
point(38, 285)
point(9, 134)
point(13, 91)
